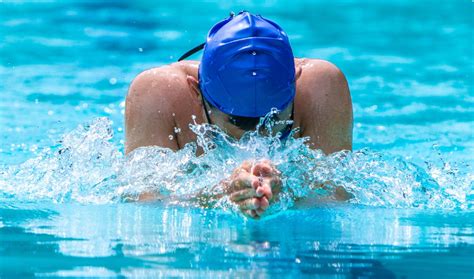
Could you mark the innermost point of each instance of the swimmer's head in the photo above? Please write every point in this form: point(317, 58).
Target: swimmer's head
point(247, 67)
point(236, 126)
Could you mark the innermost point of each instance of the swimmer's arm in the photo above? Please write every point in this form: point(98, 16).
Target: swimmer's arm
point(147, 196)
point(206, 198)
point(326, 108)
point(339, 193)
point(148, 112)
point(327, 115)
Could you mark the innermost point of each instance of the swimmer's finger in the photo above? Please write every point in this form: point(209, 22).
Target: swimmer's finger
point(256, 183)
point(265, 190)
point(243, 181)
point(260, 211)
point(264, 203)
point(245, 167)
point(243, 195)
point(263, 170)
point(251, 213)
point(249, 204)
point(255, 214)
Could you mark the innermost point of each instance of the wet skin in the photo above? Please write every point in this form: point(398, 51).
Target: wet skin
point(167, 99)
point(252, 186)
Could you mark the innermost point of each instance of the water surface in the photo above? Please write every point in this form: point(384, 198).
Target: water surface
point(64, 72)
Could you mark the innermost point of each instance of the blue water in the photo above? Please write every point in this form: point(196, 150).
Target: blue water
point(64, 72)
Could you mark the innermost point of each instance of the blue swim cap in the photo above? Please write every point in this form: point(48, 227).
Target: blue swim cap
point(247, 67)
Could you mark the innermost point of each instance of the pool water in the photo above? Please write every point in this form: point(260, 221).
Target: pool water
point(64, 72)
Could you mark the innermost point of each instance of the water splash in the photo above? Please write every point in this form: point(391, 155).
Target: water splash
point(86, 167)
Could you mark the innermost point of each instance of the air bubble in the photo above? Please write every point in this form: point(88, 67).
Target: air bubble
point(254, 73)
point(254, 53)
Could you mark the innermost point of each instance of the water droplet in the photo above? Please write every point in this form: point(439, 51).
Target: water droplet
point(254, 73)
point(113, 81)
point(140, 49)
point(177, 130)
point(254, 52)
point(173, 114)
point(171, 137)
point(50, 112)
point(108, 110)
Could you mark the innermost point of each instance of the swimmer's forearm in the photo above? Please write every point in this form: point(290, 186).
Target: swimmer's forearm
point(339, 192)
point(147, 196)
point(208, 197)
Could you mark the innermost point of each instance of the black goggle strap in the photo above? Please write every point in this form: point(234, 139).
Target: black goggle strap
point(192, 51)
point(201, 46)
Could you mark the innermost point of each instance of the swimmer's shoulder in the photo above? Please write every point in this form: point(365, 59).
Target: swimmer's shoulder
point(189, 67)
point(323, 106)
point(167, 80)
point(165, 90)
point(159, 101)
point(318, 78)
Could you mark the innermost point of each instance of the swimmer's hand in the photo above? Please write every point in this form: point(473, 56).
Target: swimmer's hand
point(253, 186)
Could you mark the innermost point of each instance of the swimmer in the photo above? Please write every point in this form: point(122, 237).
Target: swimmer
point(246, 70)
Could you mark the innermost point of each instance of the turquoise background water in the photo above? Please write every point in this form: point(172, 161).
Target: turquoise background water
point(63, 64)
